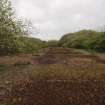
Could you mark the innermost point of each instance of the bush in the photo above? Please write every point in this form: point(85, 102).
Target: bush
point(85, 39)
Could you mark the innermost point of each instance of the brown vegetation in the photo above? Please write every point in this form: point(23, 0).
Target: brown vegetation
point(56, 77)
point(58, 92)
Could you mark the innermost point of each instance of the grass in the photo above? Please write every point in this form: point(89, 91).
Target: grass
point(49, 91)
point(49, 71)
point(58, 84)
point(30, 85)
point(4, 68)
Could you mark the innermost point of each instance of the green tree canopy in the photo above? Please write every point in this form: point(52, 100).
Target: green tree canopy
point(10, 28)
point(84, 39)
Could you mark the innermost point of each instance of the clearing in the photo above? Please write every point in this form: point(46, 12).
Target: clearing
point(58, 76)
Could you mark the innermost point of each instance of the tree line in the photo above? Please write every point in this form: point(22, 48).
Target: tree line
point(84, 39)
point(14, 33)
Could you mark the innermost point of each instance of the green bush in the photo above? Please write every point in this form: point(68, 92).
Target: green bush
point(30, 45)
point(52, 43)
point(84, 39)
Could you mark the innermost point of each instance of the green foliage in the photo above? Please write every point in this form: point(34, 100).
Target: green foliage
point(9, 25)
point(10, 28)
point(52, 43)
point(12, 31)
point(84, 39)
point(29, 45)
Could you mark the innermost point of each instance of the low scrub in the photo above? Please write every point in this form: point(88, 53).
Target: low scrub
point(57, 92)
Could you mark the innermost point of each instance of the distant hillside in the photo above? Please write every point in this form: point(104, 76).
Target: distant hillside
point(21, 45)
point(30, 45)
point(84, 39)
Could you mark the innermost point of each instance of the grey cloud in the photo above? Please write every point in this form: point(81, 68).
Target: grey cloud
point(53, 18)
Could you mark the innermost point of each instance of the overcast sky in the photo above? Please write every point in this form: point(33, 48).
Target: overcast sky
point(53, 18)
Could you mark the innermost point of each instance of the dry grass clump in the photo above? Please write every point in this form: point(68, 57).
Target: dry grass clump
point(58, 92)
point(21, 63)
